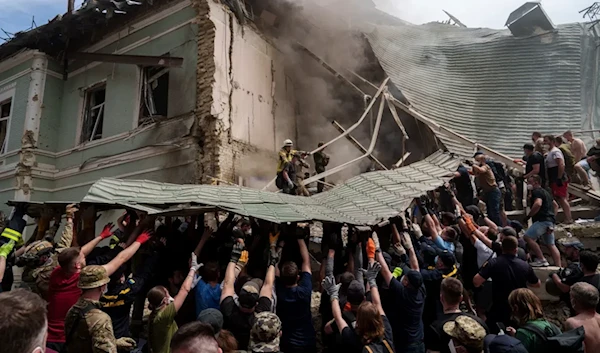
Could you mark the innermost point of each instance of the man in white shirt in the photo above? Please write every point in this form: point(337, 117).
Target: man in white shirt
point(558, 179)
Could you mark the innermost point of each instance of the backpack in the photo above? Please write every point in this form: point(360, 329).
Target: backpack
point(379, 347)
point(556, 342)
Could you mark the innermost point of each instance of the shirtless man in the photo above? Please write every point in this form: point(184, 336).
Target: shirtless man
point(584, 298)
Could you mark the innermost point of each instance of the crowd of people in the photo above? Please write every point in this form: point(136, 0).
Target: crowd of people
point(441, 277)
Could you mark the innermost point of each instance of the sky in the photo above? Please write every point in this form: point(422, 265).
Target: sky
point(16, 15)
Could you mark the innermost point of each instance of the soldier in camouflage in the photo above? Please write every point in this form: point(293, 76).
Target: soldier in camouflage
point(265, 333)
point(321, 161)
point(41, 257)
point(87, 328)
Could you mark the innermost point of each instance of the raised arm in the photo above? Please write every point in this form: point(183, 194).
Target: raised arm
point(385, 271)
point(334, 294)
point(230, 276)
point(186, 287)
point(267, 288)
point(371, 275)
point(66, 237)
point(126, 254)
point(106, 233)
point(305, 256)
point(205, 236)
point(410, 250)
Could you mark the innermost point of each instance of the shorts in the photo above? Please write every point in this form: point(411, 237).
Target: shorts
point(540, 229)
point(584, 164)
point(559, 191)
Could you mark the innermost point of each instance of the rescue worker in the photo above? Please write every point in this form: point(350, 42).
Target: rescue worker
point(88, 329)
point(287, 176)
point(41, 257)
point(122, 293)
point(321, 161)
point(285, 154)
point(11, 237)
point(300, 189)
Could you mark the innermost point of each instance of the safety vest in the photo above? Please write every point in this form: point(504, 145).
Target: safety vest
point(12, 234)
point(284, 156)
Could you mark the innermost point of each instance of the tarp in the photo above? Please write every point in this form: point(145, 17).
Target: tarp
point(366, 199)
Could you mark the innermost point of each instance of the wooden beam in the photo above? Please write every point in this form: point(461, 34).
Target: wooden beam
point(357, 144)
point(164, 61)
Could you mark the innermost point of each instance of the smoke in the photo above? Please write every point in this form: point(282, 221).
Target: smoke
point(328, 30)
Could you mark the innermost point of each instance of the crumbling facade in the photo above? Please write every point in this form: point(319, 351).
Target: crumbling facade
point(217, 114)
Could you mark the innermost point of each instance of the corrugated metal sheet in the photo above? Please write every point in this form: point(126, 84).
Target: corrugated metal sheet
point(486, 84)
point(364, 199)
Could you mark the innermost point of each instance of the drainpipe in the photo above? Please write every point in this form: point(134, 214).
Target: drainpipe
point(33, 115)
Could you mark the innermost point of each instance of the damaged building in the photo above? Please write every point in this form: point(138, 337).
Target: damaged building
point(206, 91)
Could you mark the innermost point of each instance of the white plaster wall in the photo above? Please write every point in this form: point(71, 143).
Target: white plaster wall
point(262, 112)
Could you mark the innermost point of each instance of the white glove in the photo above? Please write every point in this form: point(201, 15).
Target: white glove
point(290, 184)
point(376, 241)
point(399, 249)
point(417, 230)
point(406, 241)
point(195, 265)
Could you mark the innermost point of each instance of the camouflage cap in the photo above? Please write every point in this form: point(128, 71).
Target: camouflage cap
point(93, 277)
point(264, 335)
point(40, 247)
point(466, 331)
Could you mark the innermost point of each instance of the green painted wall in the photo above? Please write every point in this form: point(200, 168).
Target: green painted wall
point(17, 123)
point(50, 132)
point(15, 70)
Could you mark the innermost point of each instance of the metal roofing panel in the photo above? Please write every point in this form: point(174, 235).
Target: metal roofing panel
point(486, 84)
point(365, 199)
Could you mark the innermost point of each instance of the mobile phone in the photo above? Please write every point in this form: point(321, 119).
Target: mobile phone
point(501, 326)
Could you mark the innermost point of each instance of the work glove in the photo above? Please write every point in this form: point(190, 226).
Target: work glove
point(6, 248)
point(290, 184)
point(371, 249)
point(399, 249)
point(376, 241)
point(107, 231)
point(417, 230)
point(243, 259)
point(195, 265)
point(274, 256)
point(371, 273)
point(273, 238)
point(332, 289)
point(71, 210)
point(142, 238)
point(236, 252)
point(126, 343)
point(406, 241)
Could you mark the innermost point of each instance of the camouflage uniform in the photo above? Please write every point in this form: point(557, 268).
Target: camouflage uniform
point(264, 335)
point(37, 279)
point(321, 161)
point(87, 328)
point(300, 189)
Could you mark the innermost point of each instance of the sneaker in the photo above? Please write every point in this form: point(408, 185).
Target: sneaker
point(539, 263)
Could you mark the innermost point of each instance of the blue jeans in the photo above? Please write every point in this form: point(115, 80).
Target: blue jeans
point(540, 229)
point(492, 203)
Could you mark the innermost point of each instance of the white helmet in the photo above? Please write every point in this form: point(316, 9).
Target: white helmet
point(288, 143)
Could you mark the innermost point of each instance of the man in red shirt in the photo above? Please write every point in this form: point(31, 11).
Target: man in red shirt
point(63, 292)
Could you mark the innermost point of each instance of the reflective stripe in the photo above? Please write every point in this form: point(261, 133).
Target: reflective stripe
point(11, 234)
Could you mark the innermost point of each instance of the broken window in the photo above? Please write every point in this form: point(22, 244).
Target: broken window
point(155, 94)
point(5, 108)
point(93, 118)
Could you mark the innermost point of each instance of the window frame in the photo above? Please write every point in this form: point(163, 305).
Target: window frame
point(84, 102)
point(7, 95)
point(142, 89)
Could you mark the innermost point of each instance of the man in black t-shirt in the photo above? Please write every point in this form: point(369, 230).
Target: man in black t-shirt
point(507, 273)
point(534, 163)
point(571, 274)
point(252, 299)
point(451, 295)
point(589, 264)
point(542, 214)
point(464, 186)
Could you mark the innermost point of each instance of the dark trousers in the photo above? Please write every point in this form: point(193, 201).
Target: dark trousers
point(288, 348)
point(492, 203)
point(57, 346)
point(412, 348)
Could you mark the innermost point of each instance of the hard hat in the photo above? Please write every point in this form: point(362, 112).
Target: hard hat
point(93, 276)
point(32, 255)
point(288, 143)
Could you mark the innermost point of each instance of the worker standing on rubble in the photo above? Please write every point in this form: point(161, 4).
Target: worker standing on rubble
point(285, 154)
point(287, 176)
point(487, 181)
point(300, 189)
point(321, 161)
point(538, 142)
point(557, 176)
